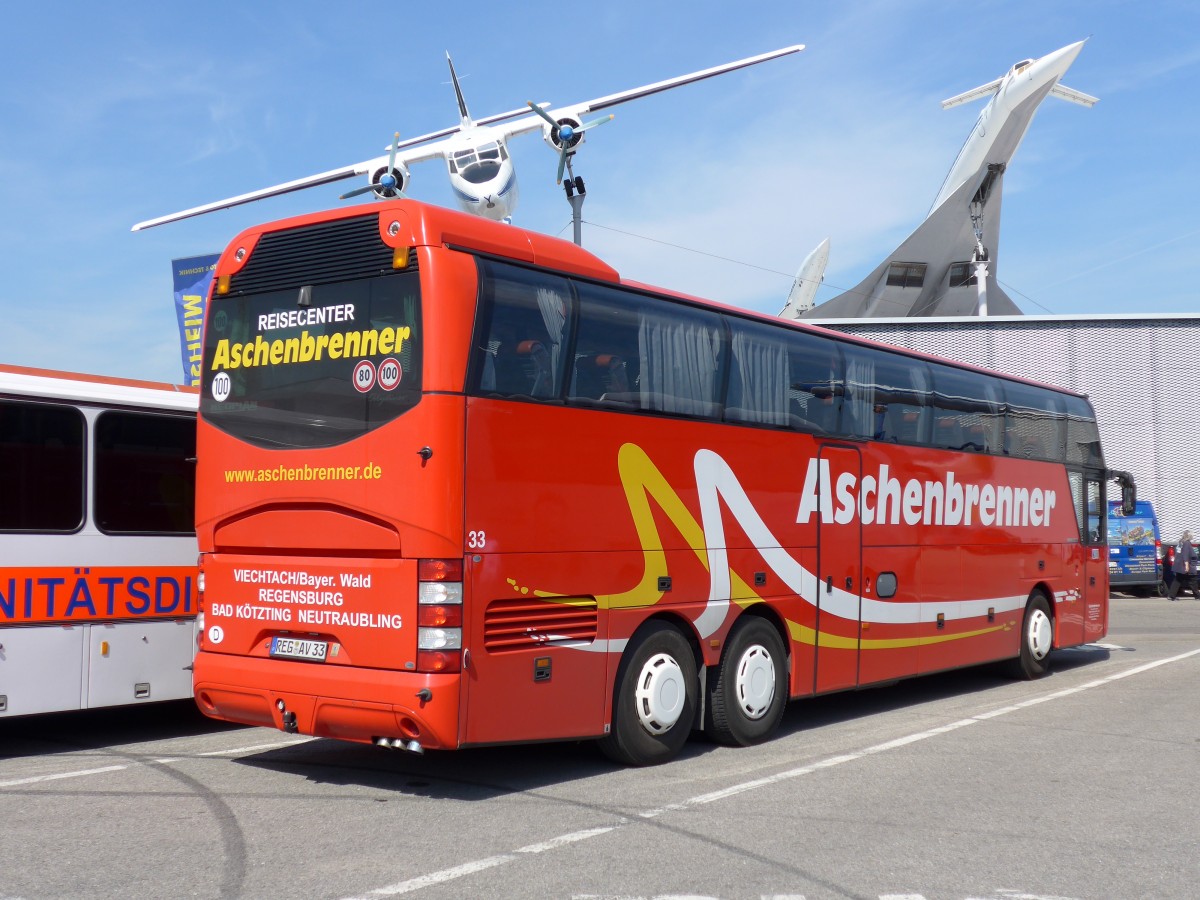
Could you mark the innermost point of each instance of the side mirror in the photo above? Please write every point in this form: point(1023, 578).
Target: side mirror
point(1128, 491)
point(1129, 499)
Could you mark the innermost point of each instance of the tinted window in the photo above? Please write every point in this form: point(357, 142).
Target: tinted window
point(968, 411)
point(670, 355)
point(1034, 422)
point(145, 473)
point(42, 460)
point(520, 344)
point(313, 366)
point(887, 396)
point(817, 388)
point(1083, 436)
point(759, 378)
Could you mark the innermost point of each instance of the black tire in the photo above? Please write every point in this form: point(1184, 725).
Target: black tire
point(1037, 635)
point(654, 700)
point(1161, 589)
point(747, 697)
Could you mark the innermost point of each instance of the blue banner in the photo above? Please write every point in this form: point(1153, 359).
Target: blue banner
point(193, 276)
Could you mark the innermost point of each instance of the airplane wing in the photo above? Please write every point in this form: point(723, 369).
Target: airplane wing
point(429, 151)
point(637, 93)
point(405, 155)
point(533, 122)
point(1074, 96)
point(974, 94)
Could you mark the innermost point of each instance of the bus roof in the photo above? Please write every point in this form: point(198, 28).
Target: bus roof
point(51, 385)
point(412, 223)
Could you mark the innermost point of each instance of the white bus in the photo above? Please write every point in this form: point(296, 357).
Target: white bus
point(97, 541)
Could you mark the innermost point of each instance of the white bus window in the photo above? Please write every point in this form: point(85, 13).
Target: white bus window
point(41, 467)
point(145, 473)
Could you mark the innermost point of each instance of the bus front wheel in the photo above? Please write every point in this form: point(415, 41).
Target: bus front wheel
point(654, 704)
point(746, 699)
point(1037, 636)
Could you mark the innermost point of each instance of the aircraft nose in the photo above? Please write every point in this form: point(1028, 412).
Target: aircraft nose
point(1056, 63)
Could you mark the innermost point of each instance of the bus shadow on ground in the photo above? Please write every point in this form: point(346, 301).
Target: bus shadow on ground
point(93, 729)
point(485, 773)
point(977, 681)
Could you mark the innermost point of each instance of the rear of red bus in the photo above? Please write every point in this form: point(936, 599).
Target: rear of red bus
point(330, 477)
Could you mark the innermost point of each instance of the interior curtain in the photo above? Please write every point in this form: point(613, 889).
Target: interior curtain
point(678, 365)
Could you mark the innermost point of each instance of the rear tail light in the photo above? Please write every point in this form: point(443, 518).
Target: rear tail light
point(200, 602)
point(439, 615)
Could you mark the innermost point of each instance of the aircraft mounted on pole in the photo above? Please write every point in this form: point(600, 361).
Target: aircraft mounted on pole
point(475, 151)
point(936, 271)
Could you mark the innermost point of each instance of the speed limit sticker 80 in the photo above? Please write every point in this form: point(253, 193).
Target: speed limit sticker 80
point(364, 375)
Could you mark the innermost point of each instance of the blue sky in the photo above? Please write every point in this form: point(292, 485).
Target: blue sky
point(110, 115)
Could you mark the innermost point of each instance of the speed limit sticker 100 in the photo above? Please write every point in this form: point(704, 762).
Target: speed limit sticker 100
point(390, 373)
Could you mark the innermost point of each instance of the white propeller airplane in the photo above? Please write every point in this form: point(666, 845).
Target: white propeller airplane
point(481, 171)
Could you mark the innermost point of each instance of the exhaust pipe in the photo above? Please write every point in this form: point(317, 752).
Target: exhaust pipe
point(400, 744)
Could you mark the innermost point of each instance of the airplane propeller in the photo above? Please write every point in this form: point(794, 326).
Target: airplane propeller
point(388, 184)
point(566, 135)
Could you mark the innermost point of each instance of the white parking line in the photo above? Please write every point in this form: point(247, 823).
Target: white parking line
point(79, 774)
point(274, 745)
point(470, 868)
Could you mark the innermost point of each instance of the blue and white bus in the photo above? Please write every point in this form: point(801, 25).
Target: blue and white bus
point(1134, 551)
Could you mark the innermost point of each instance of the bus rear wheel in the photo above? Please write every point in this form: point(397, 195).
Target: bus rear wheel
point(746, 699)
point(654, 704)
point(1037, 636)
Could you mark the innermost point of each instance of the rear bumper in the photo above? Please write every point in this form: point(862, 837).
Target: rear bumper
point(342, 702)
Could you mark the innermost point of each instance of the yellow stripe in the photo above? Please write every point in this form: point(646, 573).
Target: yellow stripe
point(802, 634)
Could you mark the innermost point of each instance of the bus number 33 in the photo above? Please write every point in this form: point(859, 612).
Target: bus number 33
point(476, 540)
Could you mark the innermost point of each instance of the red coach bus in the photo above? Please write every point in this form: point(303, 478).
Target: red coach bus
point(459, 484)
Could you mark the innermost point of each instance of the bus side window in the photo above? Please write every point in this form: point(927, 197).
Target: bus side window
point(887, 397)
point(969, 410)
point(523, 327)
point(1035, 422)
point(816, 385)
point(42, 458)
point(682, 353)
point(606, 349)
point(757, 392)
point(144, 476)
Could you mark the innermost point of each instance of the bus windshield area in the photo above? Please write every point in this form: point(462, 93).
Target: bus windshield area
point(313, 365)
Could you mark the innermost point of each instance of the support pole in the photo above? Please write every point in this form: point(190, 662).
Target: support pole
point(575, 194)
point(979, 259)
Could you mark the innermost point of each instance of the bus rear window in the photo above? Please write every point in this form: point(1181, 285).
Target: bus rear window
point(315, 365)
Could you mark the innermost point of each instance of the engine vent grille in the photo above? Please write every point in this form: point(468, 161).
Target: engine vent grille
point(341, 250)
point(522, 623)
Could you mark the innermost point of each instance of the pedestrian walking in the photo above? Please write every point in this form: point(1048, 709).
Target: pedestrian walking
point(1184, 567)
